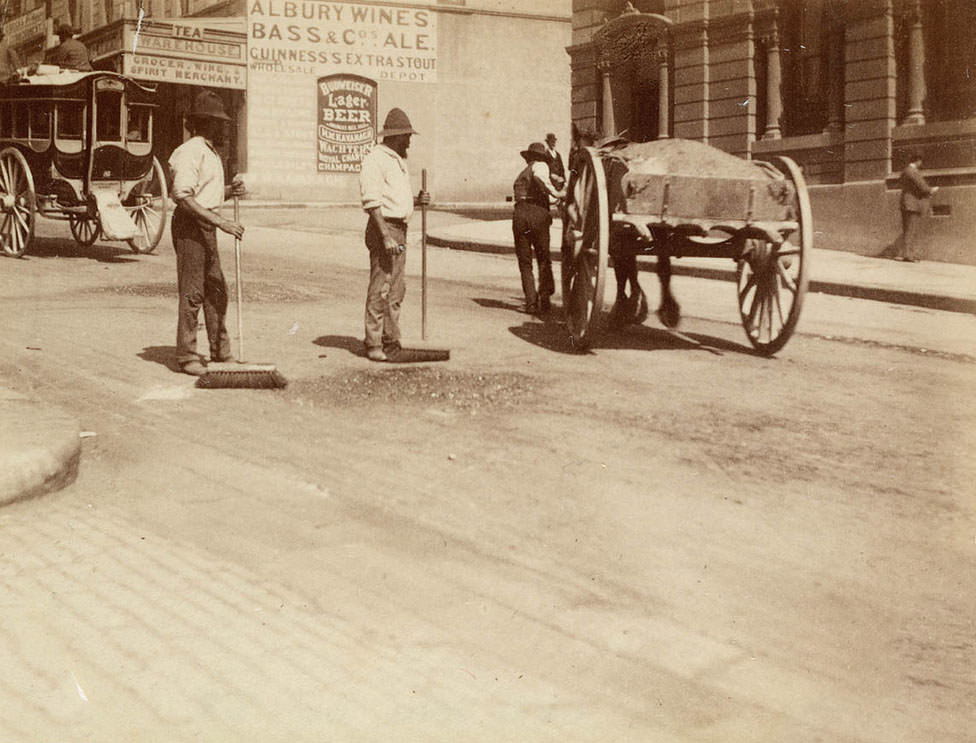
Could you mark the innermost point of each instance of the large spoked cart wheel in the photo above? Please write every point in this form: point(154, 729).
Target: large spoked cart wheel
point(586, 247)
point(18, 203)
point(85, 228)
point(772, 278)
point(147, 204)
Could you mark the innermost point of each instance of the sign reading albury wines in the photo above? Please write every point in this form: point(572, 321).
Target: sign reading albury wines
point(346, 122)
point(314, 37)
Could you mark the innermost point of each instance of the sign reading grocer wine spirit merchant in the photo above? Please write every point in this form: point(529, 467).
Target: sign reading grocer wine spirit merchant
point(346, 122)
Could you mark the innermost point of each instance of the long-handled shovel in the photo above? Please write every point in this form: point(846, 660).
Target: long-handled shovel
point(238, 374)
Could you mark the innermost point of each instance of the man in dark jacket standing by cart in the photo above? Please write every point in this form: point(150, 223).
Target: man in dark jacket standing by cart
point(199, 191)
point(531, 218)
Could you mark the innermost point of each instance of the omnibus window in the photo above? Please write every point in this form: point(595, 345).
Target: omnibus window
point(108, 108)
point(21, 120)
point(40, 121)
point(137, 128)
point(5, 125)
point(71, 118)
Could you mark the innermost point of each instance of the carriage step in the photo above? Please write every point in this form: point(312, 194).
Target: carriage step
point(115, 220)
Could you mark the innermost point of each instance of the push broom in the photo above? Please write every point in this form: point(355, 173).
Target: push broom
point(410, 355)
point(238, 374)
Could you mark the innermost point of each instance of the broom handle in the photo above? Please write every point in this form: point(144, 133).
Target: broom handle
point(240, 290)
point(423, 259)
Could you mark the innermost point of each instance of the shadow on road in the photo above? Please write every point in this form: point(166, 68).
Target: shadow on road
point(496, 304)
point(55, 247)
point(552, 336)
point(342, 342)
point(164, 355)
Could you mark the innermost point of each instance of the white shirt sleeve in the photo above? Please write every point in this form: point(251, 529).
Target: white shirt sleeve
point(371, 182)
point(185, 166)
point(541, 171)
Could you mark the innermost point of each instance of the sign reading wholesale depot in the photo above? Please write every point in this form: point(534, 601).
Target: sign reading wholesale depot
point(292, 46)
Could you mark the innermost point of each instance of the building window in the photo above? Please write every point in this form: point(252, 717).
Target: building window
point(804, 44)
point(950, 59)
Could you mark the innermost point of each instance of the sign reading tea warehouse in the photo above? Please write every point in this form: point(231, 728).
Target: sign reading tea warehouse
point(302, 135)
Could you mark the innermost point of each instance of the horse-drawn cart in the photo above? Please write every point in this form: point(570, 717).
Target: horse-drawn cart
point(672, 198)
point(78, 146)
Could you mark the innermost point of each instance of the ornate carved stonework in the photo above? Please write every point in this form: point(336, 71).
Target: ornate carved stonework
point(629, 44)
point(631, 37)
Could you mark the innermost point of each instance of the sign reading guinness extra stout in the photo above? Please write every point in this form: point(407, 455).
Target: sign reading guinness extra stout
point(346, 122)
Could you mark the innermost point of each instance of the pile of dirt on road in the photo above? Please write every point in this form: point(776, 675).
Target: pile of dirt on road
point(254, 291)
point(422, 385)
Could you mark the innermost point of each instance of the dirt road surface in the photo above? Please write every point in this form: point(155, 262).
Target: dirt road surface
point(667, 539)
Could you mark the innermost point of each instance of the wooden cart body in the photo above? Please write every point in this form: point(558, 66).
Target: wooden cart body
point(79, 146)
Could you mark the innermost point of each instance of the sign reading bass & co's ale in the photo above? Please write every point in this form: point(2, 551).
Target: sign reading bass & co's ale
point(346, 122)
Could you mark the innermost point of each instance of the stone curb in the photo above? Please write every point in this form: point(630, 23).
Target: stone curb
point(40, 448)
point(850, 289)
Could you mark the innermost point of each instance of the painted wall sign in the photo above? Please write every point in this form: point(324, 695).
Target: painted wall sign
point(312, 37)
point(183, 71)
point(25, 27)
point(346, 122)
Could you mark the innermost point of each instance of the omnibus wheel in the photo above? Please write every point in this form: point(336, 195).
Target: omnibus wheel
point(18, 203)
point(147, 204)
point(84, 229)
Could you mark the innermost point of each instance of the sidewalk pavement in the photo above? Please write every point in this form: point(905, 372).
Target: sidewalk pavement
point(940, 286)
point(40, 446)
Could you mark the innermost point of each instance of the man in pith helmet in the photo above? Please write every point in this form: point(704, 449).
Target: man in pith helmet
point(199, 191)
point(387, 198)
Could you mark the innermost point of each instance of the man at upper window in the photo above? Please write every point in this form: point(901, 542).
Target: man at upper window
point(71, 53)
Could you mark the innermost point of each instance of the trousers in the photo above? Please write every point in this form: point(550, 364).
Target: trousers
point(530, 228)
point(201, 284)
point(387, 287)
point(909, 225)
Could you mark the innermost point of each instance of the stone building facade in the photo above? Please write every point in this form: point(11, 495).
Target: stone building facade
point(479, 79)
point(845, 88)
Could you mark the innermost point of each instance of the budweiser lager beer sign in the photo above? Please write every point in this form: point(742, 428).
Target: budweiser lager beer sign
point(346, 122)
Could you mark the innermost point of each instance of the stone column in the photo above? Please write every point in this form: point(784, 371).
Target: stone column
point(835, 78)
point(663, 91)
point(609, 125)
point(916, 67)
point(774, 84)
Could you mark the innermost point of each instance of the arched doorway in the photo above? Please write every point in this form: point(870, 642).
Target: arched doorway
point(634, 61)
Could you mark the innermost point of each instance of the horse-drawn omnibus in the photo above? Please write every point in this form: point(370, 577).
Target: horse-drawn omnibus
point(78, 146)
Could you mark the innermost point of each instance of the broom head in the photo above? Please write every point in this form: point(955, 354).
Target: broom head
point(234, 375)
point(416, 355)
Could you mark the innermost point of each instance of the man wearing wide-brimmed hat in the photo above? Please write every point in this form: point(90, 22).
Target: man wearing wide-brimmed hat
point(71, 53)
point(199, 190)
point(387, 197)
point(531, 218)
